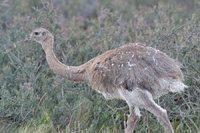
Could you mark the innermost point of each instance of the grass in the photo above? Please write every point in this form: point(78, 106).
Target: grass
point(33, 99)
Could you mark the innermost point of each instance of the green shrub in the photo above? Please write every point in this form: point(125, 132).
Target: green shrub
point(33, 99)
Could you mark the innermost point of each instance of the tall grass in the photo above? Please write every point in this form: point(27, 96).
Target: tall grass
point(33, 99)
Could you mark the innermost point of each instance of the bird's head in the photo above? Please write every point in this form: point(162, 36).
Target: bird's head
point(42, 36)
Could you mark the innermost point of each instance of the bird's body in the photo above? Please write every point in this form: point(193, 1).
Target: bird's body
point(134, 66)
point(134, 73)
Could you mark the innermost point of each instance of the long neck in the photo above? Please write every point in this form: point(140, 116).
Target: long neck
point(74, 73)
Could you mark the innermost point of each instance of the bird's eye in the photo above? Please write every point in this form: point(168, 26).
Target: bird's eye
point(36, 33)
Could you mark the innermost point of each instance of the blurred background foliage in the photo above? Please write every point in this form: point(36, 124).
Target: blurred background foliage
point(34, 100)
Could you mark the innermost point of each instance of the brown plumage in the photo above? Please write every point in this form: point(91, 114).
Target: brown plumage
point(132, 65)
point(133, 72)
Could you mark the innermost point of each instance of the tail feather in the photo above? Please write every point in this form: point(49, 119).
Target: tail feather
point(173, 85)
point(177, 87)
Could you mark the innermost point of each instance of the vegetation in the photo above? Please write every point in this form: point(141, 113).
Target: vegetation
point(34, 100)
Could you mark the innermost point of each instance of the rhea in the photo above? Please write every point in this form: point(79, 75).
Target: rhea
point(135, 73)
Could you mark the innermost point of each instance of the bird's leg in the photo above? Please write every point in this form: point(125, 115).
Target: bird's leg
point(131, 122)
point(162, 116)
point(158, 111)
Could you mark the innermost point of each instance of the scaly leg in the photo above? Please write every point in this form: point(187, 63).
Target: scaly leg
point(131, 122)
point(158, 111)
